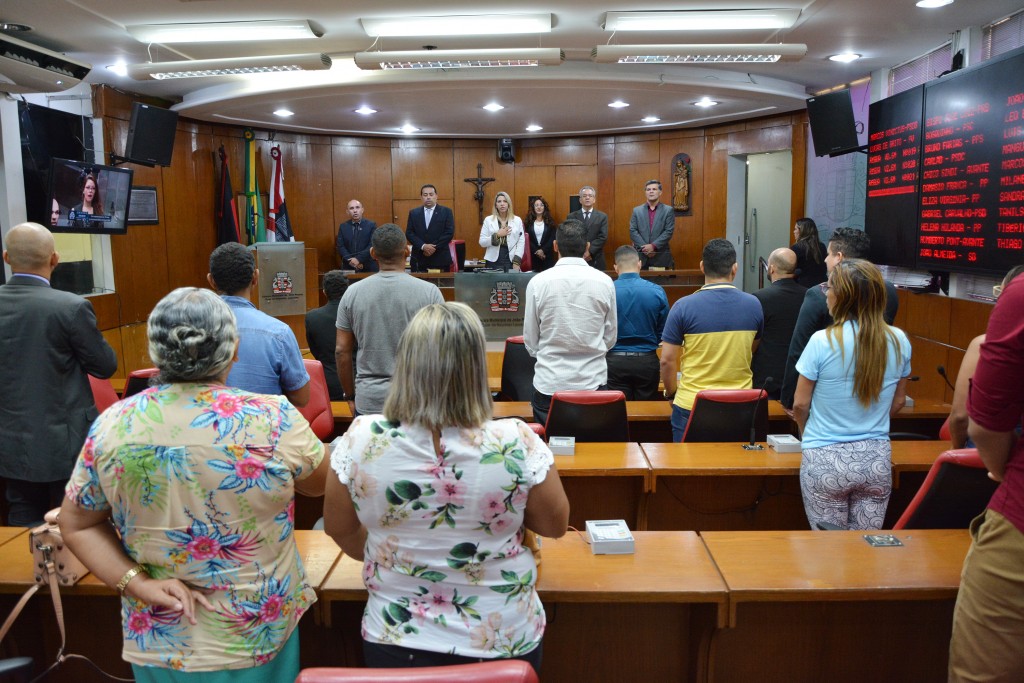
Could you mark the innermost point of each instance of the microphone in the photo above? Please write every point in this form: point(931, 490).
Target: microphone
point(942, 371)
point(753, 445)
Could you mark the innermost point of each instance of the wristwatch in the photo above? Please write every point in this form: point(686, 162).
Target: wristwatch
point(667, 394)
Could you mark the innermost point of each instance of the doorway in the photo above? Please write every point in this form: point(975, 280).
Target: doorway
point(757, 211)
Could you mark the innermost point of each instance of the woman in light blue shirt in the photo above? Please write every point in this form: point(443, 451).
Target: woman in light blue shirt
point(853, 378)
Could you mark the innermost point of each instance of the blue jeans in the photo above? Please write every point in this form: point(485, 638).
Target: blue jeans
point(679, 419)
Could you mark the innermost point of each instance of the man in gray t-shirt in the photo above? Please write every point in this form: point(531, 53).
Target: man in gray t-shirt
point(372, 316)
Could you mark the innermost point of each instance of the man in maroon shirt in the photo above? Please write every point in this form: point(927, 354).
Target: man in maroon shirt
point(988, 622)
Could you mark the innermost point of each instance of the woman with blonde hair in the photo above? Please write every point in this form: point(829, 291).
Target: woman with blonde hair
point(434, 497)
point(852, 378)
point(502, 235)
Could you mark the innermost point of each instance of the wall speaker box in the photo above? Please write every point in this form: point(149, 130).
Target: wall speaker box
point(833, 128)
point(151, 135)
point(506, 151)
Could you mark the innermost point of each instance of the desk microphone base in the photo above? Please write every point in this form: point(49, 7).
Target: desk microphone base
point(753, 447)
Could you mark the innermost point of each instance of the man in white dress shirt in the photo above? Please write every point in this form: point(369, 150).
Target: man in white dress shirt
point(570, 322)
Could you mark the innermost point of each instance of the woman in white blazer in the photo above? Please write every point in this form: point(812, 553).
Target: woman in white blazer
point(502, 235)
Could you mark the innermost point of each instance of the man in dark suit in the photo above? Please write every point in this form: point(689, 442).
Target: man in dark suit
point(49, 342)
point(322, 332)
point(430, 229)
point(651, 227)
point(780, 301)
point(596, 223)
point(353, 241)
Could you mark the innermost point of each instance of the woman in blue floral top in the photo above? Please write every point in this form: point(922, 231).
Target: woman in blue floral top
point(434, 497)
point(199, 480)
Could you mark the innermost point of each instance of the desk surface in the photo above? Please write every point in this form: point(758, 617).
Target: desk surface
point(616, 459)
point(9, 533)
point(798, 566)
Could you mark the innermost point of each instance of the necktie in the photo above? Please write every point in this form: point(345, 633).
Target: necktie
point(427, 215)
point(586, 216)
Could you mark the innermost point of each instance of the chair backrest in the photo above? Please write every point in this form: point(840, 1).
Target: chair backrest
point(944, 433)
point(102, 393)
point(454, 267)
point(726, 415)
point(493, 671)
point(517, 371)
point(318, 411)
point(955, 491)
point(527, 263)
point(588, 416)
point(138, 380)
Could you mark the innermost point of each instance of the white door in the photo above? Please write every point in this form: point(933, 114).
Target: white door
point(766, 220)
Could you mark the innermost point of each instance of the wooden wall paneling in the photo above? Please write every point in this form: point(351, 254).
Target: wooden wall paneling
point(606, 188)
point(928, 316)
point(798, 191)
point(466, 208)
point(760, 140)
point(715, 186)
point(113, 337)
point(637, 149)
point(417, 162)
point(361, 169)
point(968, 320)
point(629, 193)
point(107, 310)
point(557, 152)
point(687, 240)
point(901, 313)
point(309, 192)
point(926, 356)
point(567, 183)
point(135, 348)
point(188, 204)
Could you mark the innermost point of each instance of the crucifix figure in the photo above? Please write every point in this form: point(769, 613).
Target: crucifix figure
point(479, 181)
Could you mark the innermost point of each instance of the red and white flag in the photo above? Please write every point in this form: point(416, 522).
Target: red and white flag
point(279, 227)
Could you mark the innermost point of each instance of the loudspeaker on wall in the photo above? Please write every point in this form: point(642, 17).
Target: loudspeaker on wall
point(506, 151)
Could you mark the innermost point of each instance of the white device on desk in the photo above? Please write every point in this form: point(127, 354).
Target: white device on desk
point(784, 443)
point(609, 537)
point(562, 445)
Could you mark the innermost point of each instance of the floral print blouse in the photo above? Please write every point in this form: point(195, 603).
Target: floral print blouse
point(200, 482)
point(445, 567)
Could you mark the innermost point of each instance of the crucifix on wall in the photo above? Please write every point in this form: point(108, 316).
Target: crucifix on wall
point(479, 181)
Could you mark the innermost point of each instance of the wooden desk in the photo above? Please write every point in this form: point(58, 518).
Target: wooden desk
point(721, 487)
point(642, 617)
point(827, 606)
point(606, 481)
point(9, 533)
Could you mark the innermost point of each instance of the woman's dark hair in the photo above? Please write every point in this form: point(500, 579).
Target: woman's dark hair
point(97, 202)
point(532, 217)
point(807, 232)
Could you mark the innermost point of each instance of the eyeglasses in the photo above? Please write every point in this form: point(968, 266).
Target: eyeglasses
point(824, 287)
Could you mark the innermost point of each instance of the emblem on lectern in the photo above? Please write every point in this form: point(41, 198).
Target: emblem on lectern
point(504, 298)
point(282, 283)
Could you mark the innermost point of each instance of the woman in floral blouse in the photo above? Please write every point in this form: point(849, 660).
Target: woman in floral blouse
point(199, 481)
point(434, 496)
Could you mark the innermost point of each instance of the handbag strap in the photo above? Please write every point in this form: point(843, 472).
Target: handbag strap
point(17, 610)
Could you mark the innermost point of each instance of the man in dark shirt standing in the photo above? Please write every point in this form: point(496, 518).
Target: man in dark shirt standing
point(780, 301)
point(353, 241)
point(814, 315)
point(321, 331)
point(641, 308)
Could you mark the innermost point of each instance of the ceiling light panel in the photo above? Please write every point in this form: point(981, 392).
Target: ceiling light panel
point(696, 53)
point(233, 66)
point(702, 20)
point(223, 31)
point(459, 25)
point(460, 59)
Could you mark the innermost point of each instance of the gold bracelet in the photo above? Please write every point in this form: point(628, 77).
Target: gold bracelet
point(128, 576)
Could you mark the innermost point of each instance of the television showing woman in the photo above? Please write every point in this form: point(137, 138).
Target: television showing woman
point(540, 227)
point(182, 500)
point(852, 378)
point(435, 497)
point(502, 236)
point(810, 253)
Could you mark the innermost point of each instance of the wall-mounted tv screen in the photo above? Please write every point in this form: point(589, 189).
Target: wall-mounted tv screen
point(89, 198)
point(47, 133)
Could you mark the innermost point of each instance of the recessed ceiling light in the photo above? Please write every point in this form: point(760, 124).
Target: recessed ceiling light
point(479, 24)
point(618, 104)
point(365, 111)
point(409, 129)
point(705, 102)
point(845, 57)
point(650, 119)
point(493, 106)
point(701, 20)
point(284, 112)
point(533, 128)
point(932, 4)
point(121, 69)
point(222, 31)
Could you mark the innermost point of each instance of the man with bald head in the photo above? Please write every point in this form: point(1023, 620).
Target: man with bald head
point(353, 242)
point(780, 301)
point(49, 343)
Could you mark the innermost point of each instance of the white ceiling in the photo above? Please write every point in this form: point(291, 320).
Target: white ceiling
point(566, 100)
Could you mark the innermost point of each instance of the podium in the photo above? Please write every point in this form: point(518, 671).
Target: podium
point(281, 286)
point(498, 298)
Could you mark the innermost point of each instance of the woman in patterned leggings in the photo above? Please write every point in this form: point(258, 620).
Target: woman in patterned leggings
point(853, 377)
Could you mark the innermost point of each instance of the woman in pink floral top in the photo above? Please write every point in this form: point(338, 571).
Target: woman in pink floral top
point(434, 497)
point(199, 481)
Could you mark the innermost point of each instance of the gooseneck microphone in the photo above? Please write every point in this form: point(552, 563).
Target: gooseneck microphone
point(762, 396)
point(942, 371)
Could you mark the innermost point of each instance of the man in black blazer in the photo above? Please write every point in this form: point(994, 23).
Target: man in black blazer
point(353, 241)
point(596, 223)
point(49, 342)
point(322, 330)
point(430, 229)
point(651, 227)
point(781, 301)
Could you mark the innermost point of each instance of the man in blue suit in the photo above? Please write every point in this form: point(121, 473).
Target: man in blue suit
point(354, 240)
point(651, 227)
point(430, 229)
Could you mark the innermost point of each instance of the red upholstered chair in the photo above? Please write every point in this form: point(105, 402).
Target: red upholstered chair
point(527, 262)
point(721, 415)
point(102, 393)
point(588, 416)
point(138, 380)
point(955, 491)
point(494, 671)
point(457, 248)
point(944, 433)
point(537, 428)
point(516, 371)
point(318, 410)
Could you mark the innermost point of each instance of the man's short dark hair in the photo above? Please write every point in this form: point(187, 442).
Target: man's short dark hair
point(652, 182)
point(231, 267)
point(626, 255)
point(426, 186)
point(388, 242)
point(335, 284)
point(572, 239)
point(718, 256)
point(851, 242)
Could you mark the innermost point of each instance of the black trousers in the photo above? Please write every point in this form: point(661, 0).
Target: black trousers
point(635, 375)
point(378, 656)
point(28, 501)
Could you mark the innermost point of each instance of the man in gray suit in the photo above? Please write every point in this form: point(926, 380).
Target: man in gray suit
point(49, 342)
point(651, 227)
point(596, 224)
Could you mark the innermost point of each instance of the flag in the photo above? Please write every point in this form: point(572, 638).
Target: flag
point(227, 213)
point(255, 228)
point(279, 227)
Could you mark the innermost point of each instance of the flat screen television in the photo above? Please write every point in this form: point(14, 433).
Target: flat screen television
point(89, 198)
point(47, 133)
